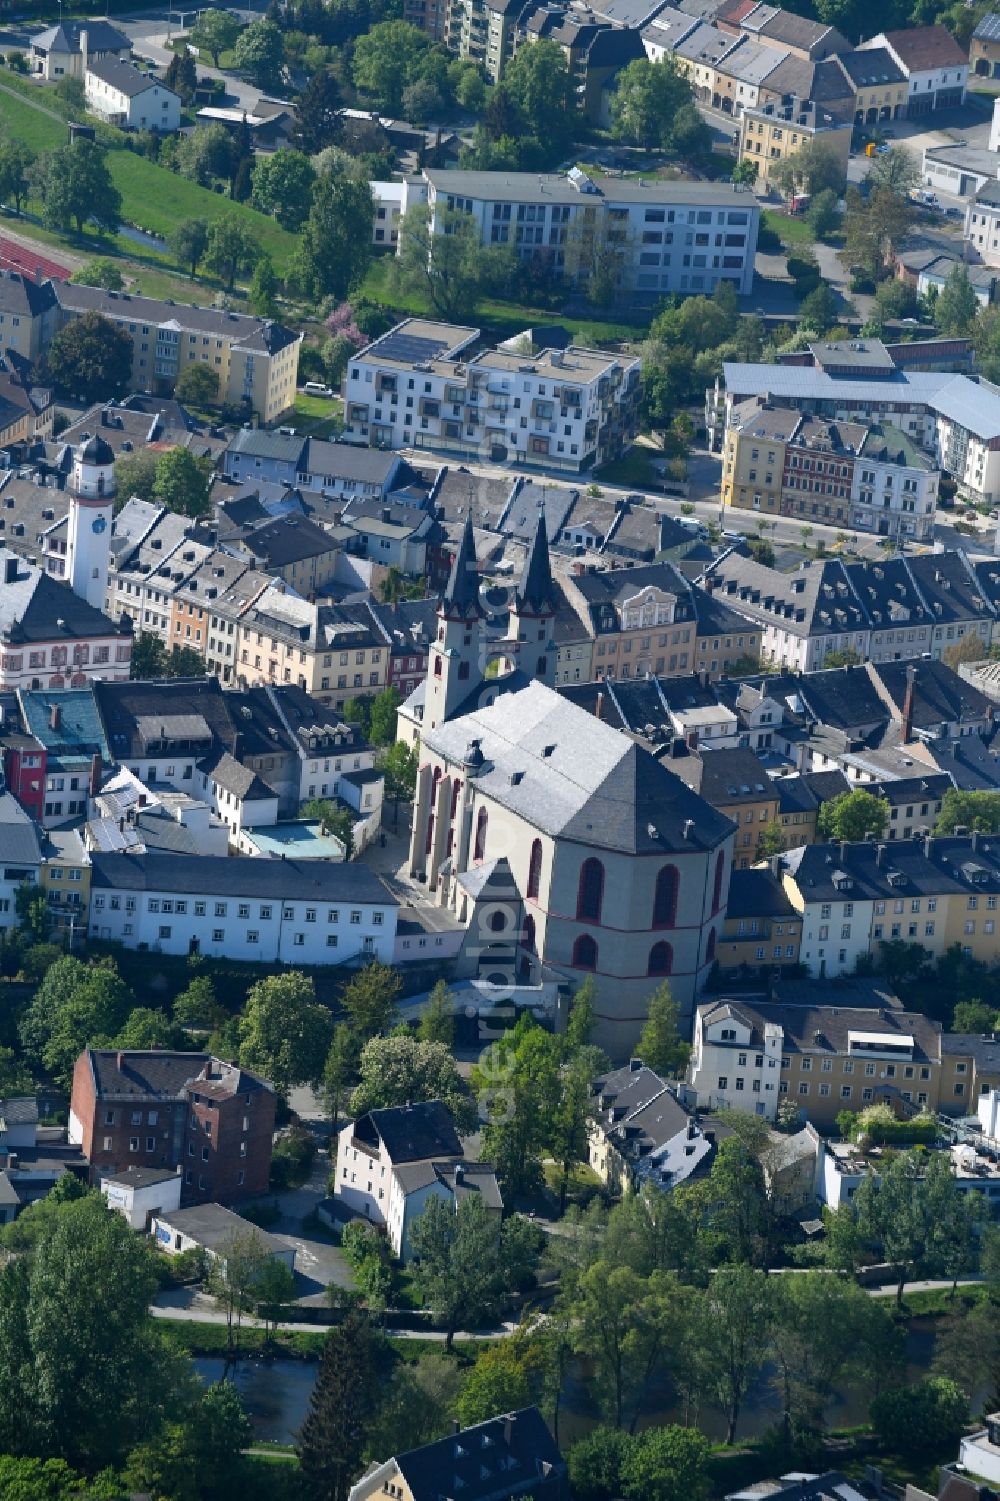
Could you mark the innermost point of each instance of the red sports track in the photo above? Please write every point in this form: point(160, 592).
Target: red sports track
point(14, 257)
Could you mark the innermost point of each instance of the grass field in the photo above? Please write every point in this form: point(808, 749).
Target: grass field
point(790, 230)
point(30, 125)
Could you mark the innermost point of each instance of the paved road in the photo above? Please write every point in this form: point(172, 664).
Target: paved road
point(202, 1310)
point(149, 37)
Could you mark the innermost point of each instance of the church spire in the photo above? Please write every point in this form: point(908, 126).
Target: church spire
point(462, 592)
point(535, 593)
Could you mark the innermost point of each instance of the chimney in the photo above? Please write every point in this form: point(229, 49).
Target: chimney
point(386, 514)
point(84, 50)
point(459, 1174)
point(120, 1060)
point(599, 706)
point(55, 717)
point(880, 855)
point(906, 728)
point(10, 570)
point(974, 840)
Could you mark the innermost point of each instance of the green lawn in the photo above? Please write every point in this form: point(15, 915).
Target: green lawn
point(318, 416)
point(30, 125)
point(790, 229)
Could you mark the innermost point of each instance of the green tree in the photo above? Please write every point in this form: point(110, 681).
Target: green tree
point(263, 292)
point(147, 1028)
point(284, 1031)
point(188, 242)
point(645, 102)
point(467, 1263)
point(370, 997)
point(197, 384)
point(101, 271)
point(812, 169)
point(738, 1197)
point(232, 248)
point(92, 1006)
point(437, 1020)
point(667, 1464)
point(399, 765)
point(342, 1409)
point(91, 358)
point(74, 186)
point(567, 1132)
point(822, 214)
point(852, 816)
point(340, 1068)
point(874, 227)
point(16, 162)
point(382, 724)
point(927, 1417)
point(149, 657)
point(441, 264)
point(957, 305)
point(282, 186)
point(259, 52)
point(974, 1016)
point(197, 1006)
point(734, 1328)
point(504, 1378)
point(32, 910)
point(890, 1210)
point(15, 1078)
point(971, 810)
point(539, 85)
point(215, 31)
point(624, 1322)
point(233, 1276)
point(969, 648)
point(398, 1069)
point(334, 818)
point(581, 1020)
point(182, 482)
point(182, 76)
point(660, 1046)
point(273, 1291)
point(517, 1084)
point(895, 171)
point(318, 118)
point(335, 247)
point(818, 310)
point(386, 59)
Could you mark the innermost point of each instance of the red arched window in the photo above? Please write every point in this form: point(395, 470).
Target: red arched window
point(528, 937)
point(430, 835)
point(661, 959)
point(590, 895)
point(710, 948)
point(720, 866)
point(665, 897)
point(535, 868)
point(456, 788)
point(481, 822)
point(585, 952)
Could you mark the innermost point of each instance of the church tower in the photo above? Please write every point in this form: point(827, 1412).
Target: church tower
point(91, 506)
point(533, 612)
point(454, 666)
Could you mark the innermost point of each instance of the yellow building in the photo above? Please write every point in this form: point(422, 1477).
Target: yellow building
point(334, 652)
point(64, 877)
point(753, 459)
point(762, 929)
point(256, 360)
point(880, 87)
point(771, 133)
point(734, 782)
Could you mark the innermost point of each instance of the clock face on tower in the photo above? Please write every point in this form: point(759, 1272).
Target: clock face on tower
point(98, 524)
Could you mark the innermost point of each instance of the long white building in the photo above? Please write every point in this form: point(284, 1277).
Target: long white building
point(293, 911)
point(563, 409)
point(668, 236)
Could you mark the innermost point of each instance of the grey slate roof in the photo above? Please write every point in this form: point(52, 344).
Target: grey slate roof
point(410, 1133)
point(757, 893)
point(506, 1456)
point(157, 1073)
point(37, 607)
point(139, 1177)
point(19, 1111)
point(124, 77)
point(66, 37)
point(19, 838)
point(213, 1226)
point(552, 764)
point(240, 875)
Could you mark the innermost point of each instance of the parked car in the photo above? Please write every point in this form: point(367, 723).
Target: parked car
point(317, 388)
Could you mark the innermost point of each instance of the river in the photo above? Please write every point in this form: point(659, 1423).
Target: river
point(276, 1395)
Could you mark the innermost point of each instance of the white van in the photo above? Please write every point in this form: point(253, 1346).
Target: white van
point(317, 388)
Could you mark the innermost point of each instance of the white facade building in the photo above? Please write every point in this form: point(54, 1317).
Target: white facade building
point(139, 1193)
point(734, 1064)
point(388, 198)
point(934, 65)
point(123, 95)
point(563, 409)
point(298, 912)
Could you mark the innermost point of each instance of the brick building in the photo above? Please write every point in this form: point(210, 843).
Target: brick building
point(187, 1111)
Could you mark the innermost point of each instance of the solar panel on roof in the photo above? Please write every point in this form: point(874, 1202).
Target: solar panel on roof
point(410, 348)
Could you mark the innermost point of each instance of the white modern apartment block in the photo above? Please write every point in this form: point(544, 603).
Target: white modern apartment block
point(735, 1065)
point(564, 409)
point(388, 199)
point(125, 96)
point(293, 911)
point(670, 236)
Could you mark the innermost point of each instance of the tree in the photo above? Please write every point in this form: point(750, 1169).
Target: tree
point(568, 1130)
point(382, 724)
point(399, 765)
point(215, 32)
point(370, 996)
point(735, 1325)
point(335, 248)
point(441, 262)
point(32, 908)
point(318, 114)
point(822, 214)
point(437, 1020)
point(260, 51)
point(890, 1212)
point(188, 242)
point(342, 1407)
point(182, 76)
point(340, 1067)
point(421, 101)
point(957, 304)
point(660, 1046)
point(624, 1322)
point(539, 85)
point(970, 648)
point(148, 659)
point(282, 186)
point(873, 227)
point(812, 169)
point(581, 1020)
point(597, 1462)
point(198, 384)
point(263, 293)
point(646, 100)
point(895, 171)
point(927, 1417)
point(818, 310)
point(75, 186)
point(386, 59)
point(91, 358)
point(517, 1084)
point(973, 1016)
point(852, 816)
point(333, 818)
point(16, 162)
point(738, 1198)
point(147, 1028)
point(398, 1069)
point(771, 841)
point(667, 1464)
point(14, 1076)
point(504, 1378)
point(99, 272)
point(75, 1004)
point(986, 342)
point(467, 1263)
point(233, 1276)
point(273, 1291)
point(232, 248)
point(197, 1005)
point(284, 1032)
point(979, 811)
point(182, 482)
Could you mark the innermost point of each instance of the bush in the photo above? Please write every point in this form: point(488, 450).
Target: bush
point(927, 1417)
point(767, 241)
point(292, 1158)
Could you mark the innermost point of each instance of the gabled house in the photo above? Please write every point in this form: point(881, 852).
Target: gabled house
point(640, 1132)
point(510, 1455)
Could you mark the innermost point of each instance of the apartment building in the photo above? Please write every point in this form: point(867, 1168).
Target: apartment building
point(762, 930)
point(872, 477)
point(483, 32)
point(288, 911)
point(982, 224)
point(256, 359)
point(771, 133)
point(309, 464)
point(934, 65)
point(954, 419)
point(208, 605)
point(29, 315)
point(667, 236)
point(187, 1112)
point(595, 50)
point(563, 409)
point(733, 781)
point(746, 1055)
point(879, 84)
point(334, 652)
point(651, 619)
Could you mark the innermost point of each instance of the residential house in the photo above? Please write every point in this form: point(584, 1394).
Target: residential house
point(639, 1132)
point(335, 652)
point(770, 133)
point(311, 464)
point(934, 65)
point(762, 929)
point(64, 51)
point(510, 1455)
point(130, 98)
point(804, 38)
point(392, 1162)
point(734, 782)
point(180, 1111)
point(879, 83)
point(32, 1159)
point(984, 47)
